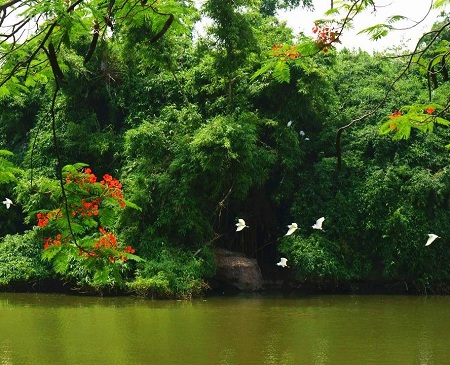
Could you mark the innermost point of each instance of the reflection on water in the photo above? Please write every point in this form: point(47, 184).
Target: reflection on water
point(60, 329)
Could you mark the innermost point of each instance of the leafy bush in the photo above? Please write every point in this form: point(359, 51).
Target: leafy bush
point(319, 260)
point(172, 272)
point(20, 258)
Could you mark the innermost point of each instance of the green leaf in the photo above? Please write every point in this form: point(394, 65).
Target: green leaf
point(107, 217)
point(75, 168)
point(6, 153)
point(442, 121)
point(4, 91)
point(136, 258)
point(132, 205)
point(61, 262)
point(281, 72)
point(386, 128)
point(440, 3)
point(395, 18)
point(377, 31)
point(264, 69)
point(51, 252)
point(101, 276)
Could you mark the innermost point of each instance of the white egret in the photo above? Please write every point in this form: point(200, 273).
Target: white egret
point(289, 123)
point(431, 238)
point(283, 262)
point(302, 133)
point(292, 227)
point(318, 224)
point(8, 202)
point(240, 225)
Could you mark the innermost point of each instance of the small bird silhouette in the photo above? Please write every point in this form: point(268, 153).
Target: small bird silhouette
point(8, 202)
point(292, 227)
point(240, 225)
point(431, 238)
point(318, 224)
point(283, 262)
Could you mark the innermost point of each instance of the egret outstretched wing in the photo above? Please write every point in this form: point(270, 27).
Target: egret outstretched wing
point(318, 224)
point(283, 262)
point(292, 227)
point(8, 202)
point(240, 225)
point(431, 238)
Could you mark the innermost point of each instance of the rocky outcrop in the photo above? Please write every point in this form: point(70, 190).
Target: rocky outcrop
point(235, 270)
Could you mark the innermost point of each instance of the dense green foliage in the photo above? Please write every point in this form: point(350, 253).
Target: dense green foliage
point(202, 131)
point(20, 257)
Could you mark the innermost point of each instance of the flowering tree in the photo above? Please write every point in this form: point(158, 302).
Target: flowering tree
point(80, 230)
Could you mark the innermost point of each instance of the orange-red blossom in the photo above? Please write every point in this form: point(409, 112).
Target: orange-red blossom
point(326, 36)
point(50, 242)
point(285, 54)
point(394, 115)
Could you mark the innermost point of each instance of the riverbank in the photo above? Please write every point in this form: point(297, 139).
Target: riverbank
point(291, 288)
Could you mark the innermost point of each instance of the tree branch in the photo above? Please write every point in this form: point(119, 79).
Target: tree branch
point(93, 45)
point(6, 5)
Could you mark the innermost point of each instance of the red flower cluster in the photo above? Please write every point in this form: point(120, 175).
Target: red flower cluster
point(326, 36)
point(86, 177)
point(88, 254)
point(50, 242)
point(285, 54)
point(114, 188)
point(127, 249)
point(395, 114)
point(429, 110)
point(108, 240)
point(44, 218)
point(87, 208)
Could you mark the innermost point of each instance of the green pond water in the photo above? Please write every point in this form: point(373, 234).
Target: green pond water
point(62, 329)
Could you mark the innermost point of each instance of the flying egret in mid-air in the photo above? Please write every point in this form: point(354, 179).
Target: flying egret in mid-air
point(431, 238)
point(240, 225)
point(318, 224)
point(283, 262)
point(8, 202)
point(292, 227)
